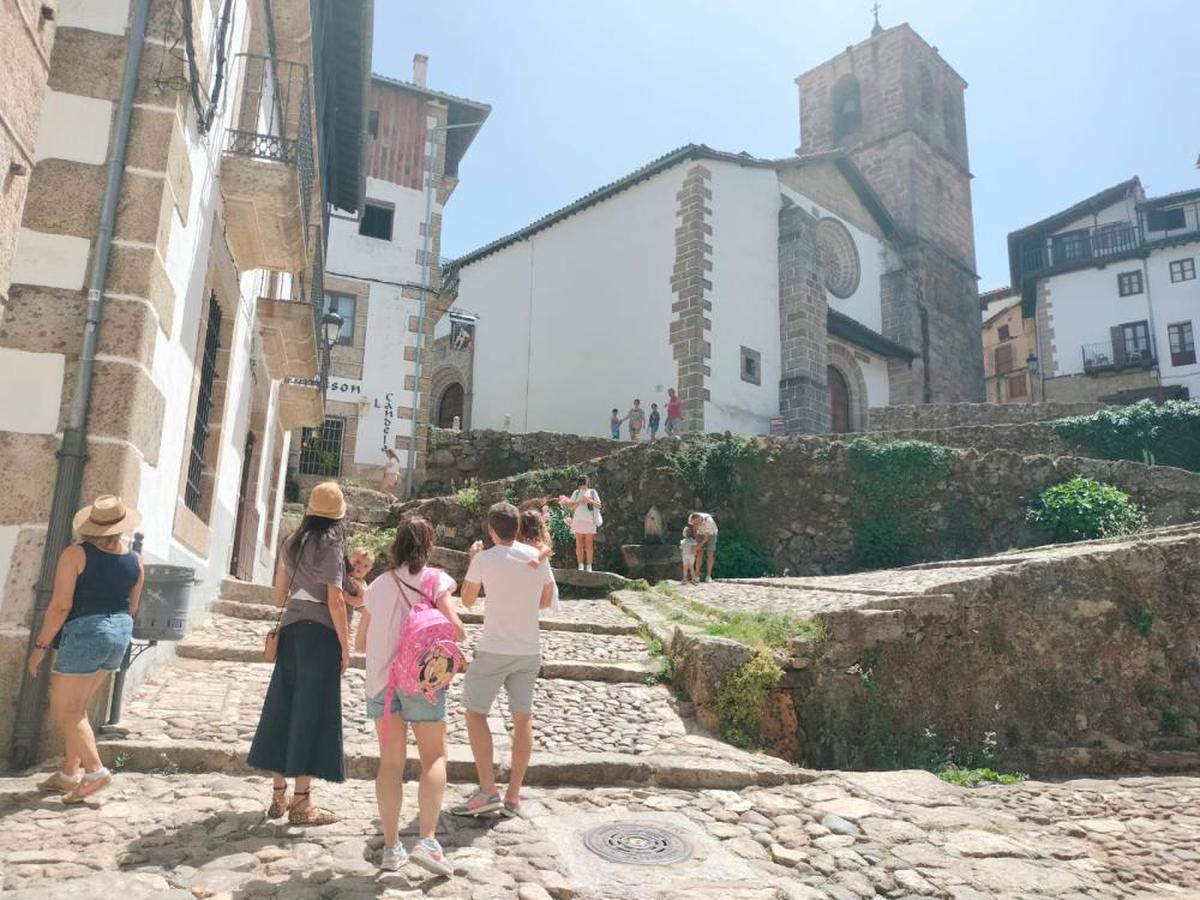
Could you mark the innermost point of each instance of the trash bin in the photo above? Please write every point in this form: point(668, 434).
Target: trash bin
point(163, 611)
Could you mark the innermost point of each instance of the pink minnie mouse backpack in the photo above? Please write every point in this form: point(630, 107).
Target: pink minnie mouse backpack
point(427, 655)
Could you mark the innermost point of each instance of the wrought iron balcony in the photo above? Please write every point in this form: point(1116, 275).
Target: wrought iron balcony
point(1081, 247)
point(267, 171)
point(1116, 356)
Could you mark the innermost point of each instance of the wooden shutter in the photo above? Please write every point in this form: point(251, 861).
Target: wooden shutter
point(1004, 359)
point(1118, 345)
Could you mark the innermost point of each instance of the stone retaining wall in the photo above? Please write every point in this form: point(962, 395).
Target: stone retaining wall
point(793, 498)
point(459, 457)
point(946, 415)
point(1064, 660)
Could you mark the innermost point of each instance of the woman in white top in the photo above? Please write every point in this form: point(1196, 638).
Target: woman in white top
point(391, 473)
point(585, 520)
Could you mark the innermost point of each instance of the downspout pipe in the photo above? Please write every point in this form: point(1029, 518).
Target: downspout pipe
point(73, 453)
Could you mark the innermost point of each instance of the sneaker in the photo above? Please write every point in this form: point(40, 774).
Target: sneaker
point(581, 567)
point(427, 853)
point(589, 568)
point(394, 858)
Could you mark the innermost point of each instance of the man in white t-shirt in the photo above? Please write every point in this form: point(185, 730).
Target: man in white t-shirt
point(705, 528)
point(508, 653)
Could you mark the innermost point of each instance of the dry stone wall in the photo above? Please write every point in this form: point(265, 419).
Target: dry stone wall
point(794, 499)
point(458, 457)
point(947, 415)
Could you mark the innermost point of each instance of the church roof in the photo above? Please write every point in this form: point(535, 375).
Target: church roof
point(686, 153)
point(838, 324)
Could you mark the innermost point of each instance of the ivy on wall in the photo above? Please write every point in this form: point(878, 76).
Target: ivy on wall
point(890, 489)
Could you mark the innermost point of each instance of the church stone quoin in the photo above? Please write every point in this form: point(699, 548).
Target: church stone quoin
point(803, 308)
point(896, 108)
point(691, 285)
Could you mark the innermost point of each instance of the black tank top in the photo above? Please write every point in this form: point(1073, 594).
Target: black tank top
point(104, 584)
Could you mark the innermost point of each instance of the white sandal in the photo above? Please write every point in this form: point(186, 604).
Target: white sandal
point(91, 783)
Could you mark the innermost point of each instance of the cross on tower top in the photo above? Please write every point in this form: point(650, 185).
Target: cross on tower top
point(878, 28)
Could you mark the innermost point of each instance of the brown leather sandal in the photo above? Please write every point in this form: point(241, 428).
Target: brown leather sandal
point(281, 800)
point(310, 815)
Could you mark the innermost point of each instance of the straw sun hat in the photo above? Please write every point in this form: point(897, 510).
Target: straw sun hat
point(327, 500)
point(107, 516)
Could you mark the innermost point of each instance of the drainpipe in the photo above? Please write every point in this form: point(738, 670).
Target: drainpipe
point(73, 453)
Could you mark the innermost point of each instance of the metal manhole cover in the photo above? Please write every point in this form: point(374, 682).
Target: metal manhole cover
point(639, 845)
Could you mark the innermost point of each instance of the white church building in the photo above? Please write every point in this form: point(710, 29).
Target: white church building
point(796, 292)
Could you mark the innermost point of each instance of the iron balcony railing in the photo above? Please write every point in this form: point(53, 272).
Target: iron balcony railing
point(1114, 356)
point(1071, 249)
point(275, 119)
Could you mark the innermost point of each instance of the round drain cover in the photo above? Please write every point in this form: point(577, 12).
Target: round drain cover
point(639, 845)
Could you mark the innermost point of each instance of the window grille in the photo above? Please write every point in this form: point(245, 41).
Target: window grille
point(321, 449)
point(200, 425)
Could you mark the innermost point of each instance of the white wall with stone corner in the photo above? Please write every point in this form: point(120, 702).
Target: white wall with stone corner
point(1174, 302)
point(356, 256)
point(33, 384)
point(745, 298)
point(575, 320)
point(74, 128)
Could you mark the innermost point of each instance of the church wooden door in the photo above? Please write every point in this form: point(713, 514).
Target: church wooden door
point(839, 399)
point(451, 405)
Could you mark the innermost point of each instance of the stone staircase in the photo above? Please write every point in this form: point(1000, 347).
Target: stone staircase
point(600, 717)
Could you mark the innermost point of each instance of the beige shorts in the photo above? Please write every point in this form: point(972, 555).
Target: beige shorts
point(488, 672)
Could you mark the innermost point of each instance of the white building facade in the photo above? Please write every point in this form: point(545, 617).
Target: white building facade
point(578, 313)
point(1112, 285)
point(375, 270)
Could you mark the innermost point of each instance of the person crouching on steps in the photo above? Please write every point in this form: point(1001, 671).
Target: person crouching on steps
point(389, 599)
point(508, 654)
point(97, 586)
point(299, 732)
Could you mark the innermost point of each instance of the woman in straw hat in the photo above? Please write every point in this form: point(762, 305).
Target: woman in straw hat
point(299, 731)
point(96, 590)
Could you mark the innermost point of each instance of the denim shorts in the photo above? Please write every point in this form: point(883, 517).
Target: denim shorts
point(410, 709)
point(91, 644)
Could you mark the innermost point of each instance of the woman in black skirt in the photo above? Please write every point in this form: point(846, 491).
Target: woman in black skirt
point(300, 729)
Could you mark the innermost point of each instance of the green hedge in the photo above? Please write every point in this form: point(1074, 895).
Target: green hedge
point(1166, 435)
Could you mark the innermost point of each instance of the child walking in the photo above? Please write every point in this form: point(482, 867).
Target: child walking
point(614, 425)
point(534, 532)
point(655, 421)
point(687, 548)
point(389, 600)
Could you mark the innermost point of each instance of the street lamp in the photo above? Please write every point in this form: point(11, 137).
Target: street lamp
point(430, 169)
point(331, 327)
point(1033, 364)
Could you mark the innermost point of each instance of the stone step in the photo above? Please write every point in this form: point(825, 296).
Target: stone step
point(590, 616)
point(616, 659)
point(580, 769)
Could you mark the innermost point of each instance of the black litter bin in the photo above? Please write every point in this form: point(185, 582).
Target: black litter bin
point(162, 615)
point(163, 611)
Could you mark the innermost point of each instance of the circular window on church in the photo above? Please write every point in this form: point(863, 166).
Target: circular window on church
point(840, 256)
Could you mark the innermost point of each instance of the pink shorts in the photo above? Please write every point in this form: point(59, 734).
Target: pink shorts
point(583, 525)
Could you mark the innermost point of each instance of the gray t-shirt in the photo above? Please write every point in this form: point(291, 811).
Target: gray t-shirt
point(322, 562)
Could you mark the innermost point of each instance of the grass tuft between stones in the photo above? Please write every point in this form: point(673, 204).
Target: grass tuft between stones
point(977, 777)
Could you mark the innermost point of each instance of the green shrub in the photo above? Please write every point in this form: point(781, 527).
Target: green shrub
point(560, 532)
point(1166, 435)
point(377, 540)
point(469, 499)
point(742, 699)
point(1082, 509)
point(738, 557)
point(975, 777)
point(891, 484)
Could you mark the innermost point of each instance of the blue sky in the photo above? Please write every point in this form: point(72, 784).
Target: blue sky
point(1066, 97)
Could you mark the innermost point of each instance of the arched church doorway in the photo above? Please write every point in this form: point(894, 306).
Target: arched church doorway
point(839, 399)
point(450, 405)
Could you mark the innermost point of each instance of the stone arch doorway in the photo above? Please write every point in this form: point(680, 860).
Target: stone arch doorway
point(839, 400)
point(450, 405)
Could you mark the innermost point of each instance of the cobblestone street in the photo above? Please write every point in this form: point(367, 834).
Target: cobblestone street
point(185, 818)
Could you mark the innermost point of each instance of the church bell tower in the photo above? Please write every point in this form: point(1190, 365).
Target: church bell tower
point(895, 108)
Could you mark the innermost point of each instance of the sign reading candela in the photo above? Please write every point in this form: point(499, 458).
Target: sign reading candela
point(376, 417)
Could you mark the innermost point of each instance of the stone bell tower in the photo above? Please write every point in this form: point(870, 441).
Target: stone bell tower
point(895, 107)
